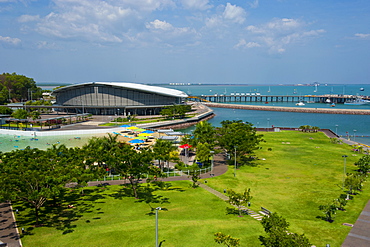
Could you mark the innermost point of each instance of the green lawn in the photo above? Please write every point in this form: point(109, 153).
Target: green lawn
point(293, 180)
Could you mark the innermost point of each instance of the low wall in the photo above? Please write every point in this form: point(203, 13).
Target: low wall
point(291, 109)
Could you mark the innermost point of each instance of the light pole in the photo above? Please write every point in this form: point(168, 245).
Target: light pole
point(336, 129)
point(268, 123)
point(235, 161)
point(354, 135)
point(213, 156)
point(156, 225)
point(344, 169)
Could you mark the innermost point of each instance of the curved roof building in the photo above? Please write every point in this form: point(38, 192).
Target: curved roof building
point(122, 98)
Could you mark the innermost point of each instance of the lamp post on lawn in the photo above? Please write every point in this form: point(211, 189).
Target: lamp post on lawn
point(336, 129)
point(235, 161)
point(344, 169)
point(156, 226)
point(268, 123)
point(213, 156)
point(354, 135)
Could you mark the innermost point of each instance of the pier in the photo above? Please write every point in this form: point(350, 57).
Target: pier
point(243, 97)
point(290, 109)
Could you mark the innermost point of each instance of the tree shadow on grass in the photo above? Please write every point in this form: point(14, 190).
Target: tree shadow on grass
point(61, 213)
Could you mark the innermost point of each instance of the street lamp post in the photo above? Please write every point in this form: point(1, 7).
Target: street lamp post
point(268, 123)
point(213, 156)
point(344, 169)
point(235, 161)
point(156, 225)
point(354, 135)
point(336, 129)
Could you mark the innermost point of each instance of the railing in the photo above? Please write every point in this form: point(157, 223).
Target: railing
point(168, 174)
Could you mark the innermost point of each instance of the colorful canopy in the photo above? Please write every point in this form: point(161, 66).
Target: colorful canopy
point(139, 130)
point(185, 146)
point(141, 137)
point(148, 132)
point(144, 134)
point(125, 126)
point(136, 141)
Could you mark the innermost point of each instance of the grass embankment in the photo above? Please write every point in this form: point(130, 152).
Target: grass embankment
point(293, 180)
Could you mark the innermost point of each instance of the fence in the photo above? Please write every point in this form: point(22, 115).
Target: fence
point(168, 174)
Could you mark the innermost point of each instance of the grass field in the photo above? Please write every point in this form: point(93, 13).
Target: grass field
point(301, 172)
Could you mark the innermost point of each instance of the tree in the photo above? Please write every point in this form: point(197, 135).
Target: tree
point(329, 210)
point(239, 199)
point(276, 228)
point(227, 240)
point(133, 164)
point(20, 114)
point(15, 88)
point(204, 132)
point(175, 111)
point(162, 151)
point(34, 176)
point(363, 164)
point(5, 110)
point(241, 135)
point(353, 182)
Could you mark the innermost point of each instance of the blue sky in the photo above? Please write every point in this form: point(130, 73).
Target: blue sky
point(197, 41)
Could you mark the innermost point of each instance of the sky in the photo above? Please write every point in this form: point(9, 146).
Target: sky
point(187, 41)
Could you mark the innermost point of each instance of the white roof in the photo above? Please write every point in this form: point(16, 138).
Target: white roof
point(136, 86)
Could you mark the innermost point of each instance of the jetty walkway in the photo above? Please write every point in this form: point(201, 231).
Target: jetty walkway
point(290, 109)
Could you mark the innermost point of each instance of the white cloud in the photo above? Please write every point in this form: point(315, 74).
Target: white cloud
point(279, 33)
point(196, 4)
point(28, 18)
point(10, 41)
point(244, 44)
point(234, 13)
point(254, 4)
point(362, 35)
point(159, 25)
point(96, 20)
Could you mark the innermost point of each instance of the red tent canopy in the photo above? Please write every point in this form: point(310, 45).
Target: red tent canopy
point(185, 146)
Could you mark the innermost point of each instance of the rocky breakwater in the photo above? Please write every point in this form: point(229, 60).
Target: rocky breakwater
point(291, 109)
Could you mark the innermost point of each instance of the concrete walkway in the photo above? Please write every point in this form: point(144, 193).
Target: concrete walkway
point(359, 236)
point(8, 228)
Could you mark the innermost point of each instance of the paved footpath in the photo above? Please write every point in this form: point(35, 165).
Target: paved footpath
point(359, 236)
point(8, 228)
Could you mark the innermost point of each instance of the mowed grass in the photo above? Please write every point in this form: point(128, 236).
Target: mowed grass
point(301, 172)
point(293, 180)
point(108, 217)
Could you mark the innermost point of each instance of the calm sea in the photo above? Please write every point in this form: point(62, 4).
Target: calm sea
point(356, 126)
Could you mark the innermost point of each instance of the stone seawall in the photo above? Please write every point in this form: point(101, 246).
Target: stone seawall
point(291, 109)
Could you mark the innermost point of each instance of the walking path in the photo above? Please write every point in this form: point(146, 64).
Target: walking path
point(8, 227)
point(359, 236)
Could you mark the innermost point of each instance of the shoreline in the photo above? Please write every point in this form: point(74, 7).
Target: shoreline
point(290, 109)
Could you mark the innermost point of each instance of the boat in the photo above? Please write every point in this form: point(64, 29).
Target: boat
point(357, 101)
point(362, 89)
point(327, 101)
point(300, 103)
point(333, 105)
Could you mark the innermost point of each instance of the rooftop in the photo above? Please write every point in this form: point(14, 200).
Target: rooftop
point(135, 86)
